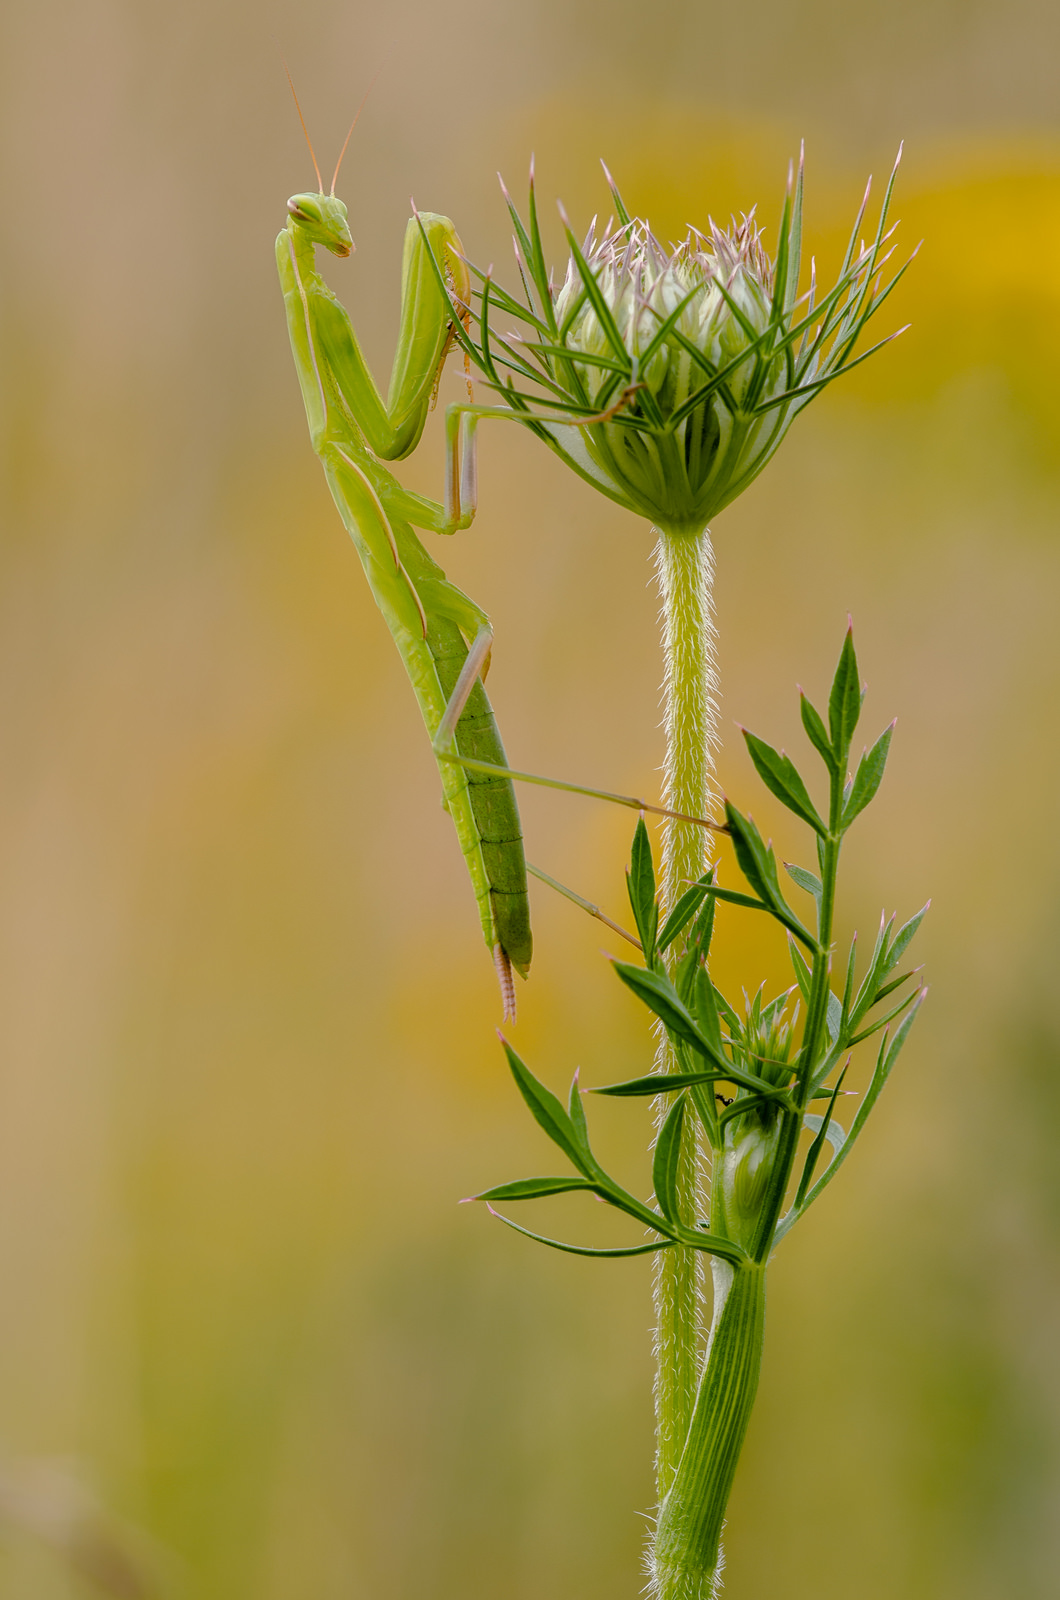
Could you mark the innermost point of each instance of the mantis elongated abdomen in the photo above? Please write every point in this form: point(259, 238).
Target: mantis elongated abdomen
point(492, 801)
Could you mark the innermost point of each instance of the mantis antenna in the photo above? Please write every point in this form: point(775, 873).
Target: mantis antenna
point(305, 130)
point(308, 140)
point(353, 125)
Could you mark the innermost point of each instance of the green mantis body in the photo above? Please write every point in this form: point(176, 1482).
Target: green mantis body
point(431, 621)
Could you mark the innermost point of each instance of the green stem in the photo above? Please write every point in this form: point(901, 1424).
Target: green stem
point(686, 1558)
point(685, 566)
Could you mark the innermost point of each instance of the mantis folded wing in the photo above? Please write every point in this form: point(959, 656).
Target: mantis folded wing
point(431, 621)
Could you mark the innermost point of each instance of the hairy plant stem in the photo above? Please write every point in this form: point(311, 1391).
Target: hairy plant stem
point(703, 1401)
point(685, 567)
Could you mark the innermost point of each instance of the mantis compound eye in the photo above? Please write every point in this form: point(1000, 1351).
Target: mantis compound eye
point(298, 211)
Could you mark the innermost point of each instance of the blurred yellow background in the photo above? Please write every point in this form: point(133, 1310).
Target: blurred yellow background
point(248, 1062)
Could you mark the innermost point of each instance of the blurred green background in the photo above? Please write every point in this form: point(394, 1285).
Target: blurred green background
point(247, 1022)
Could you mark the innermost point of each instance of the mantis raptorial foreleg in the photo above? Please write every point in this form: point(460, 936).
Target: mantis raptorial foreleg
point(353, 431)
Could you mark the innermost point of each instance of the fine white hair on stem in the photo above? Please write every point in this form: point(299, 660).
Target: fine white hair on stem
point(685, 574)
point(664, 1585)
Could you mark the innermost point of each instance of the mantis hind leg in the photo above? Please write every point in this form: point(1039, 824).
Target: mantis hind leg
point(446, 748)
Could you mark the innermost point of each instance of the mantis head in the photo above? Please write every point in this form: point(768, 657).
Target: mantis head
point(320, 216)
point(322, 219)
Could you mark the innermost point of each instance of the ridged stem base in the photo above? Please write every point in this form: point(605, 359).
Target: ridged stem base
point(686, 1559)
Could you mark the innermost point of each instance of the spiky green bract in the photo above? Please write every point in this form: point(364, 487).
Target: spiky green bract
point(751, 1077)
point(668, 376)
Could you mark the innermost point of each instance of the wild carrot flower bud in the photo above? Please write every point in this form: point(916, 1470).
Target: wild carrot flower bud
point(645, 286)
point(668, 376)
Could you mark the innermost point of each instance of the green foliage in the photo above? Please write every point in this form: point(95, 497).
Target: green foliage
point(868, 777)
point(667, 1160)
point(682, 914)
point(640, 883)
point(778, 774)
point(568, 1131)
point(844, 702)
point(758, 864)
point(549, 1114)
point(750, 1075)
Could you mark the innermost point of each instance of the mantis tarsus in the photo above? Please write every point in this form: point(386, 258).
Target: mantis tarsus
point(432, 622)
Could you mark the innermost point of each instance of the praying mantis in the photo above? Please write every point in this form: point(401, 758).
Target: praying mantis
point(443, 637)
